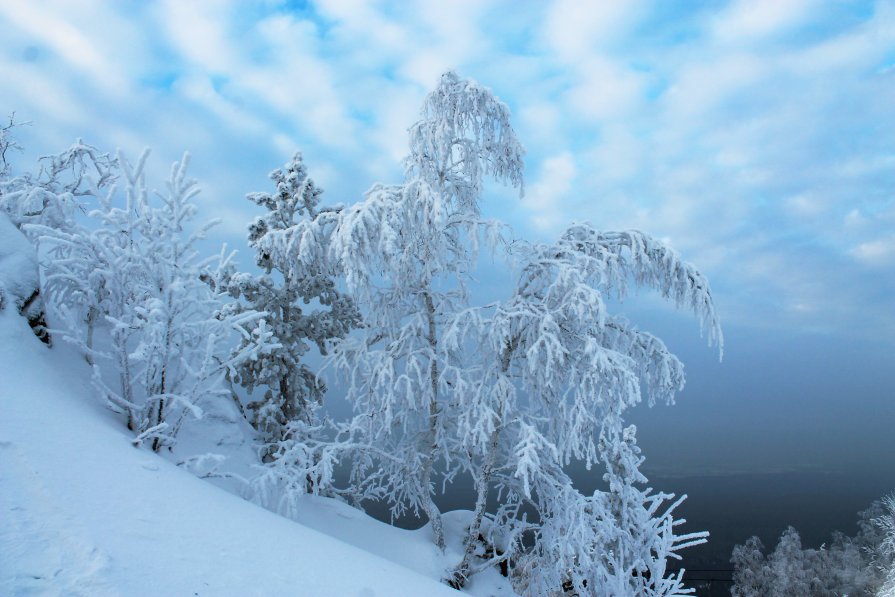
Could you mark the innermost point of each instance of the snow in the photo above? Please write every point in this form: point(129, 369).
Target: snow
point(83, 512)
point(18, 264)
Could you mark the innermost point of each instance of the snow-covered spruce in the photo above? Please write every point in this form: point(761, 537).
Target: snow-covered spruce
point(290, 243)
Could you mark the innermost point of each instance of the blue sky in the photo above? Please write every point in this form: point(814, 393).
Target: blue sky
point(756, 137)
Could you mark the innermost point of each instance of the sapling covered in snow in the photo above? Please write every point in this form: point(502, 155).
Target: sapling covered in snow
point(406, 251)
point(302, 306)
point(8, 145)
point(135, 275)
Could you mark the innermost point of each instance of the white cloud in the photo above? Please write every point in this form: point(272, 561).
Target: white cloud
point(200, 34)
point(707, 84)
point(606, 90)
point(68, 42)
point(857, 50)
point(805, 205)
point(575, 29)
point(553, 184)
point(877, 252)
point(855, 220)
point(200, 90)
point(748, 20)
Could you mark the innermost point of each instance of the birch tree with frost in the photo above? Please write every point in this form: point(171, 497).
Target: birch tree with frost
point(511, 393)
point(406, 252)
point(560, 371)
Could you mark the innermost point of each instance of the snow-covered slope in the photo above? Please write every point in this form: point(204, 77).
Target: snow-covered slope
point(82, 512)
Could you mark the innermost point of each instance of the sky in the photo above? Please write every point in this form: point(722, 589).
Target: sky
point(757, 138)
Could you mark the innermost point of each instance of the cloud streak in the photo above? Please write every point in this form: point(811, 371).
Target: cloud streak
point(756, 136)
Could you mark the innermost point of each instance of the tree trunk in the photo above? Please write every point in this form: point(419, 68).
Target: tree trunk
point(460, 574)
point(166, 357)
point(91, 323)
point(156, 441)
point(432, 511)
point(127, 392)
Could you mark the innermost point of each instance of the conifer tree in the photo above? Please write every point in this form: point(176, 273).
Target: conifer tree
point(298, 294)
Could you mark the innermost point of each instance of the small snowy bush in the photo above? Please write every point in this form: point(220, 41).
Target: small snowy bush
point(132, 275)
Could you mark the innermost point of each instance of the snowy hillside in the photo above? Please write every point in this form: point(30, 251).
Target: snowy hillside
point(86, 513)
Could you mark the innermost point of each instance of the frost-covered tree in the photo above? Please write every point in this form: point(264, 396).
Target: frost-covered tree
point(788, 571)
point(52, 198)
point(8, 145)
point(511, 393)
point(19, 277)
point(135, 276)
point(65, 188)
point(885, 560)
point(298, 294)
point(406, 251)
point(55, 199)
point(856, 566)
point(579, 369)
